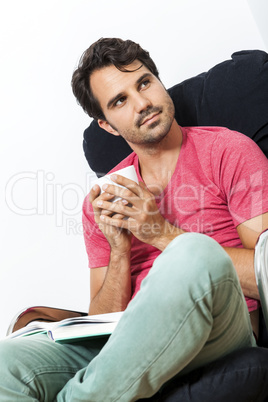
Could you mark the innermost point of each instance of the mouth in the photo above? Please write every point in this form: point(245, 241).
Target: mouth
point(150, 119)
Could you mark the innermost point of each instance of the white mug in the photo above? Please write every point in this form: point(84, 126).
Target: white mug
point(128, 172)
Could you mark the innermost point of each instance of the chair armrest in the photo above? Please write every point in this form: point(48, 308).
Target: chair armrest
point(40, 313)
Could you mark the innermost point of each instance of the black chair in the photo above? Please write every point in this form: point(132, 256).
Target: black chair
point(233, 94)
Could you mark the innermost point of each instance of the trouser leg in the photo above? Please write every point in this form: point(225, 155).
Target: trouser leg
point(190, 311)
point(35, 369)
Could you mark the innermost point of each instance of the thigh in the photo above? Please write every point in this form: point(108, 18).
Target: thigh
point(189, 311)
point(35, 368)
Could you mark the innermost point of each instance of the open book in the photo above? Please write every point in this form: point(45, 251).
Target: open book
point(72, 329)
point(261, 272)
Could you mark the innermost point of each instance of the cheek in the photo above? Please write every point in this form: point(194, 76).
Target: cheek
point(170, 105)
point(161, 96)
point(121, 120)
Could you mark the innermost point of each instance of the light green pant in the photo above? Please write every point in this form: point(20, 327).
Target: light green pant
point(190, 310)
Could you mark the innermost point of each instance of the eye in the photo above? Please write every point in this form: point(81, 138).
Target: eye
point(144, 84)
point(120, 101)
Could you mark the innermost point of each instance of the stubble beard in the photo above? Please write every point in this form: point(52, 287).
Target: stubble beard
point(155, 132)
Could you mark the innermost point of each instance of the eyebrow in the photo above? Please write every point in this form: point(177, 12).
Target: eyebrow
point(121, 94)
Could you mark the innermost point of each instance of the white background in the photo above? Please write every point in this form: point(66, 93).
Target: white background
point(44, 175)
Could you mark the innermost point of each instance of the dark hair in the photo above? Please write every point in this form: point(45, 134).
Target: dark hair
point(103, 53)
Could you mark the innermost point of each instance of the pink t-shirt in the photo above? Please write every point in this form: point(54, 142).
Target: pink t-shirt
point(220, 181)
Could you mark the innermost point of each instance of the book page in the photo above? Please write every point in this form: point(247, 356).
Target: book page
point(69, 333)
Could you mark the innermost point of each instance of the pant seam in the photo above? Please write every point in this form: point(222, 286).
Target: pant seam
point(176, 333)
point(29, 377)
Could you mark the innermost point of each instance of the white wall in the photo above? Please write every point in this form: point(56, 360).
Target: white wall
point(44, 175)
point(259, 10)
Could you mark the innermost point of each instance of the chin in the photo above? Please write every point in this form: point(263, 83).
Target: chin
point(153, 134)
point(162, 132)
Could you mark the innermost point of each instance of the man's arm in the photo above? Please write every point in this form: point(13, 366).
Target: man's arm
point(243, 259)
point(110, 287)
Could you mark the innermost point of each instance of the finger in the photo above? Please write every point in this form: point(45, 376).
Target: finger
point(107, 197)
point(126, 193)
point(129, 184)
point(106, 212)
point(117, 207)
point(94, 192)
point(143, 185)
point(114, 214)
point(114, 221)
point(118, 216)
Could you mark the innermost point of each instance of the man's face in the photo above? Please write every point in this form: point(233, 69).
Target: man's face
point(135, 104)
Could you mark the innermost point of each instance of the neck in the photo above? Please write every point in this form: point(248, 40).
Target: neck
point(158, 162)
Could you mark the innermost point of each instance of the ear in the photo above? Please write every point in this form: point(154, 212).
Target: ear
point(107, 127)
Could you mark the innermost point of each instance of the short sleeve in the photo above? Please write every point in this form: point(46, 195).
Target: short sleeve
point(97, 247)
point(242, 174)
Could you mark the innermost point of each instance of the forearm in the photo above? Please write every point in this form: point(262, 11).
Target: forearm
point(115, 293)
point(243, 260)
point(168, 233)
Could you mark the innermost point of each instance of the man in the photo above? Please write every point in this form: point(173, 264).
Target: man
point(189, 309)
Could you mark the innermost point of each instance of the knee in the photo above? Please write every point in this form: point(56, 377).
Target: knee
point(194, 254)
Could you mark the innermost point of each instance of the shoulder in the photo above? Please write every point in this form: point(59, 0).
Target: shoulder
point(225, 156)
point(221, 141)
point(213, 133)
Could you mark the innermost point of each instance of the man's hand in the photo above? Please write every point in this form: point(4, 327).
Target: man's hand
point(118, 238)
point(139, 211)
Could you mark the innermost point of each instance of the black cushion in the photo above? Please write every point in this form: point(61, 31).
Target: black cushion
point(102, 150)
point(232, 94)
point(241, 376)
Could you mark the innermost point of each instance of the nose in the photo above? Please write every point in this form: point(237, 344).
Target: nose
point(141, 102)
